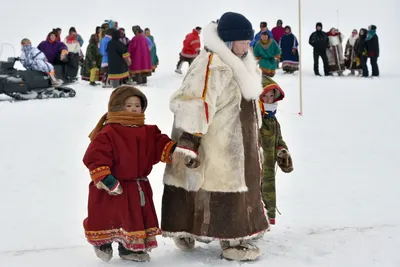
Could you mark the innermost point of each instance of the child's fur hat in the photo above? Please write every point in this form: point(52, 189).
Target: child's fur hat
point(120, 94)
point(268, 85)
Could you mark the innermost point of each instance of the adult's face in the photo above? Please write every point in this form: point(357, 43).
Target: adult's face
point(52, 37)
point(239, 48)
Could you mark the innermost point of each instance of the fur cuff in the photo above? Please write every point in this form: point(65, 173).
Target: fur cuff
point(186, 151)
point(261, 155)
point(283, 153)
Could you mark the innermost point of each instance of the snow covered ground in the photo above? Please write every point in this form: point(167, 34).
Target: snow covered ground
point(339, 207)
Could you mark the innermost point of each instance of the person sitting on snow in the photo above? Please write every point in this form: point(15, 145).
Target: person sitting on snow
point(34, 59)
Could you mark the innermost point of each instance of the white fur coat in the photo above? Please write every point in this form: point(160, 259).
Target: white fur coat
point(208, 102)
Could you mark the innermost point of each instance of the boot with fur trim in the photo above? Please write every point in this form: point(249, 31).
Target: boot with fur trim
point(245, 251)
point(104, 252)
point(138, 256)
point(184, 243)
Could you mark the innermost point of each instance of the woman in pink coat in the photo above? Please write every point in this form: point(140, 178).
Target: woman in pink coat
point(140, 56)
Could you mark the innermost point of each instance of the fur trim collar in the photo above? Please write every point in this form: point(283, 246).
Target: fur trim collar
point(246, 72)
point(352, 40)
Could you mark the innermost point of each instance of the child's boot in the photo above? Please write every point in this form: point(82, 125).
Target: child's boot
point(54, 81)
point(104, 252)
point(129, 255)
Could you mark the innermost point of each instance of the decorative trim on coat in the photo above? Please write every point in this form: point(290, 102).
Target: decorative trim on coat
point(167, 152)
point(99, 172)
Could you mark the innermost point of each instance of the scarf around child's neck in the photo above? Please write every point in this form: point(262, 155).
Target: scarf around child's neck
point(270, 110)
point(120, 117)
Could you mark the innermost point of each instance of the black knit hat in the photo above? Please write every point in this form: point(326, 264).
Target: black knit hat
point(234, 27)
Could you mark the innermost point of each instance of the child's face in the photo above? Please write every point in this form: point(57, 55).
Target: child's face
point(268, 97)
point(264, 37)
point(133, 104)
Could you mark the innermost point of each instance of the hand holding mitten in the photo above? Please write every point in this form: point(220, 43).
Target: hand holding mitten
point(110, 184)
point(186, 152)
point(284, 160)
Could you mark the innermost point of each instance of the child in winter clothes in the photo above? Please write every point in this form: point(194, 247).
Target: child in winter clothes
point(91, 66)
point(34, 59)
point(103, 51)
point(267, 51)
point(118, 60)
point(275, 150)
point(121, 155)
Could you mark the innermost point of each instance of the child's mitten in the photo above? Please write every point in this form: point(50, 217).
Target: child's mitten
point(111, 185)
point(186, 151)
point(284, 160)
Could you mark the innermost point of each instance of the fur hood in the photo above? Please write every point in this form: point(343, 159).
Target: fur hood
point(352, 39)
point(246, 72)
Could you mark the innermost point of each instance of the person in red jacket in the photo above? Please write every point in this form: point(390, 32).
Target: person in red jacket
point(190, 50)
point(277, 33)
point(120, 157)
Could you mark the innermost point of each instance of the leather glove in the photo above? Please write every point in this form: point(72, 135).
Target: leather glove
point(111, 185)
point(186, 152)
point(284, 160)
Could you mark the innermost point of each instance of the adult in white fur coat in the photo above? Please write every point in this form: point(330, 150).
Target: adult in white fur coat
point(335, 52)
point(212, 189)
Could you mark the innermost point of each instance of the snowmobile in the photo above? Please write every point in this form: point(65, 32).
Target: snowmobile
point(30, 84)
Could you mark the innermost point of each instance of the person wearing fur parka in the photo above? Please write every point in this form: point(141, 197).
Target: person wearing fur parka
point(335, 52)
point(350, 54)
point(212, 191)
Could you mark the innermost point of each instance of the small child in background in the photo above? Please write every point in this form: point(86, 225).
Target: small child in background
point(275, 150)
point(104, 60)
point(91, 66)
point(34, 59)
point(118, 60)
point(120, 157)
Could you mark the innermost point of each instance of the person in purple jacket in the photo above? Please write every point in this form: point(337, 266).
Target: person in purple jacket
point(55, 51)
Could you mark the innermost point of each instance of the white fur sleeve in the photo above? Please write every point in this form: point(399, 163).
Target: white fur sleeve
point(194, 104)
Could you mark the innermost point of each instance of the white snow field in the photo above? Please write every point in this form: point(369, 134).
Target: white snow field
point(340, 206)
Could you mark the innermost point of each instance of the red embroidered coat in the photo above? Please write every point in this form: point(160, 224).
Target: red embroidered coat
point(128, 153)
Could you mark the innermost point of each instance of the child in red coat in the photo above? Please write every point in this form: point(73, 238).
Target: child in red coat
point(120, 156)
